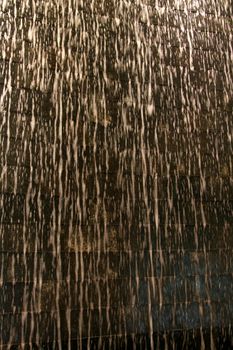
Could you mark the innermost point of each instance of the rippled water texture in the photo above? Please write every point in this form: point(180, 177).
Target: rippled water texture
point(116, 186)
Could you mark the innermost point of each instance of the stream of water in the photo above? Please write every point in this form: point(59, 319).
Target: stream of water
point(115, 171)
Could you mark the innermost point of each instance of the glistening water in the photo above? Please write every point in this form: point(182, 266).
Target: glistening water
point(116, 174)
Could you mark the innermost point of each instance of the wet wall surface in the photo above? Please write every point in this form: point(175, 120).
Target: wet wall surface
point(116, 174)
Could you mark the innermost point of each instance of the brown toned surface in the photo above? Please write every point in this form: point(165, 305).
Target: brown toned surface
point(116, 187)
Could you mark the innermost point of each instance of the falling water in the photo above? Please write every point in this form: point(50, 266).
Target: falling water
point(116, 173)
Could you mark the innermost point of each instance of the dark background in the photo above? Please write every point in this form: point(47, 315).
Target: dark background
point(116, 173)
